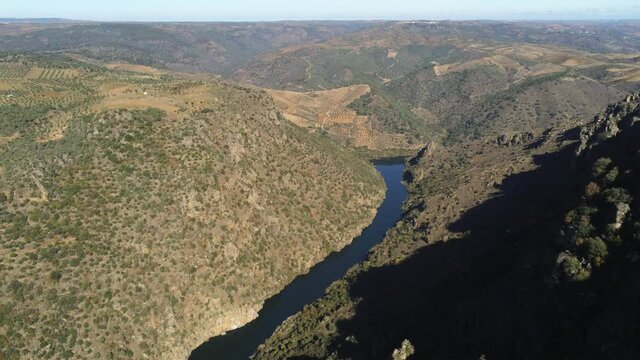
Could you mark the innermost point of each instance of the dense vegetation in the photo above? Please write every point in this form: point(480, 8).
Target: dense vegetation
point(131, 231)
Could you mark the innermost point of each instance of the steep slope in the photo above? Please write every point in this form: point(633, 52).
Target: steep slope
point(538, 260)
point(141, 214)
point(483, 100)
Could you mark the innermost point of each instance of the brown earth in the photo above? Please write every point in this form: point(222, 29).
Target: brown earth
point(327, 111)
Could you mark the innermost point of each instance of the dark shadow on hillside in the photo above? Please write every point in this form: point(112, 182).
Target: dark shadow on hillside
point(485, 295)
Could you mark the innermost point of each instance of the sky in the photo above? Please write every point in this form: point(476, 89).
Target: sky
point(251, 10)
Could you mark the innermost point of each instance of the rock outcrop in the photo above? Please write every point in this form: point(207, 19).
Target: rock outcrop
point(606, 125)
point(514, 139)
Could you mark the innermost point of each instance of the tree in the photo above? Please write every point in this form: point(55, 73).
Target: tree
point(600, 166)
point(573, 270)
point(596, 251)
point(617, 195)
point(592, 189)
point(611, 176)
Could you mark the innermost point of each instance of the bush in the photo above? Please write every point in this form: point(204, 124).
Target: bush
point(611, 176)
point(600, 166)
point(56, 275)
point(573, 270)
point(595, 251)
point(617, 195)
point(592, 189)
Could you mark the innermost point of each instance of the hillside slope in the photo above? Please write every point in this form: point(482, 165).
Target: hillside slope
point(450, 81)
point(537, 257)
point(327, 112)
point(197, 47)
point(429, 80)
point(141, 214)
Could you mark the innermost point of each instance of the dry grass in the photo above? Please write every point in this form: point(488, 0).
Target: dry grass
point(7, 139)
point(545, 69)
point(136, 102)
point(133, 68)
point(34, 73)
point(316, 103)
point(57, 124)
point(327, 111)
point(126, 95)
point(628, 74)
point(6, 86)
point(502, 62)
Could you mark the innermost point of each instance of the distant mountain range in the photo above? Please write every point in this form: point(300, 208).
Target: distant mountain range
point(36, 20)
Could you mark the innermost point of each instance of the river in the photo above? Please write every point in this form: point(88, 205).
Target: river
point(305, 289)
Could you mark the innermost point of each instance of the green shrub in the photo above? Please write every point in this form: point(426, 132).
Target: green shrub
point(573, 270)
point(600, 166)
point(56, 275)
point(617, 195)
point(595, 251)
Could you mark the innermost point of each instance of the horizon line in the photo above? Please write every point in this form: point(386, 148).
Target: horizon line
point(5, 20)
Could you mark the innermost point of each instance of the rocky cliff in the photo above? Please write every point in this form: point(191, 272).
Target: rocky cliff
point(529, 253)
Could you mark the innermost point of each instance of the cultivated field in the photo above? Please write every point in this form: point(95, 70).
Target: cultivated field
point(327, 111)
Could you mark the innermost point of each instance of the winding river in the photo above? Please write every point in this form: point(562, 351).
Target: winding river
point(305, 289)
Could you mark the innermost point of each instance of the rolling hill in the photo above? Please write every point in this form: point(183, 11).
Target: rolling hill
point(447, 81)
point(219, 48)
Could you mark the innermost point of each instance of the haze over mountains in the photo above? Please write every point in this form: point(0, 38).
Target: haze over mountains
point(159, 181)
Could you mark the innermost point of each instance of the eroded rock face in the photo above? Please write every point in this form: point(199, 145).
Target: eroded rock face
point(425, 152)
point(617, 117)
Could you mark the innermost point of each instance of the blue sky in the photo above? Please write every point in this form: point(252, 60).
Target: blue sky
point(203, 10)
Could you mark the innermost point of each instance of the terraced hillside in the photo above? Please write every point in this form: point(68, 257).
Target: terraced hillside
point(429, 80)
point(141, 214)
point(327, 111)
point(453, 80)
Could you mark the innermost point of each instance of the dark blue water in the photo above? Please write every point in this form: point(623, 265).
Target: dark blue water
point(305, 289)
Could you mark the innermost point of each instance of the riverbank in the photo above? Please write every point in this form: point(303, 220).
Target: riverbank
point(242, 342)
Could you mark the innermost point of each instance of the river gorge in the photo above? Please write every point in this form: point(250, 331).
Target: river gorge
point(305, 289)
